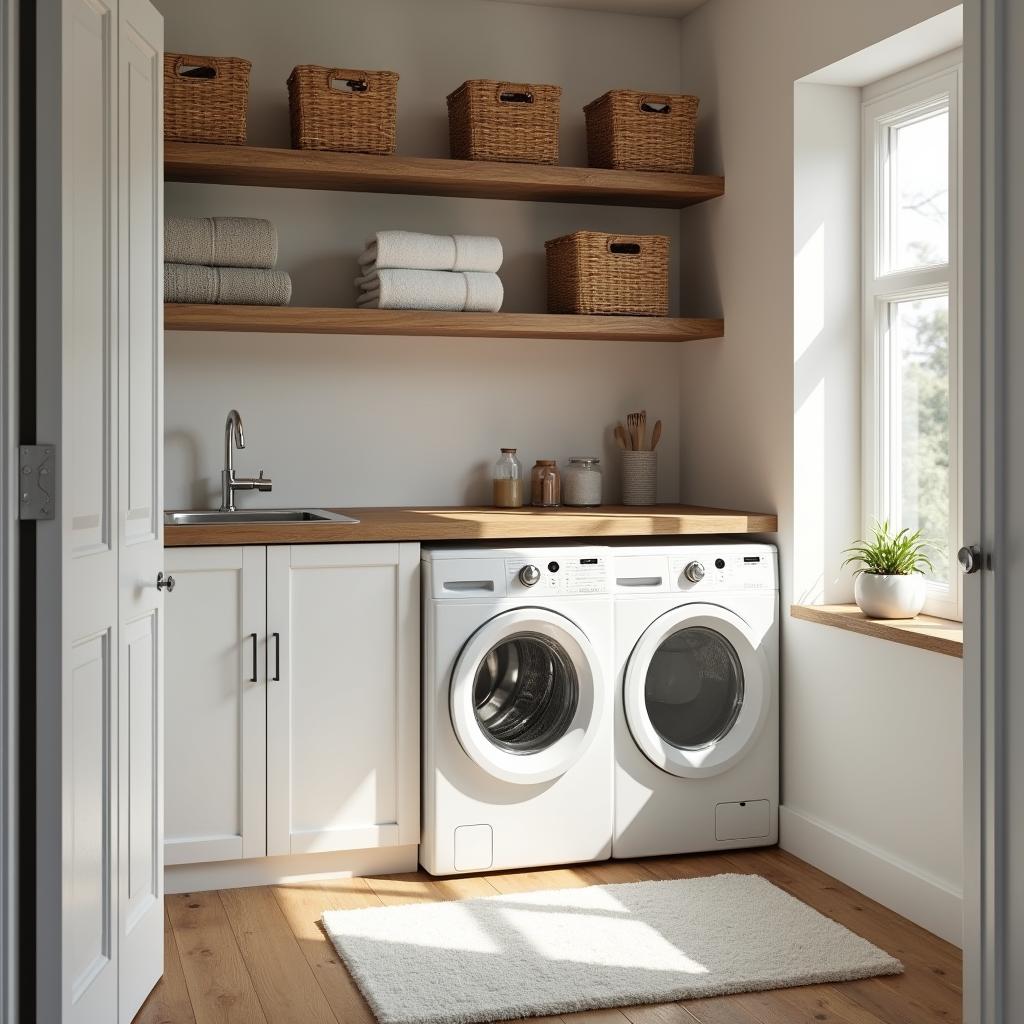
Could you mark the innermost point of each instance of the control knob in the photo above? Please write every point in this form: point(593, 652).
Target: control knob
point(694, 572)
point(529, 575)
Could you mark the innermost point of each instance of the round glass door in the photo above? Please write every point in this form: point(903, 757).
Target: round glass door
point(696, 691)
point(694, 688)
point(526, 695)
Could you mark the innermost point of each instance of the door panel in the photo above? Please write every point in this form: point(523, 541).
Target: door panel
point(87, 359)
point(216, 715)
point(89, 928)
point(140, 503)
point(343, 745)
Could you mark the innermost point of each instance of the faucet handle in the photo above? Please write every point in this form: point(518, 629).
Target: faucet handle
point(263, 483)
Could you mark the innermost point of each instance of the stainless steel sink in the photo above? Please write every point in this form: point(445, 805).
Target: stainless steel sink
point(256, 515)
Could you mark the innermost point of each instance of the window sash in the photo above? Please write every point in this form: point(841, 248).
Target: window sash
point(883, 286)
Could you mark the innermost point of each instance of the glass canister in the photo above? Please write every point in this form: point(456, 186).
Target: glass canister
point(545, 484)
point(581, 485)
point(508, 480)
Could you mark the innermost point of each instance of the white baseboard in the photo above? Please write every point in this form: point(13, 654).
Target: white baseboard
point(917, 895)
point(307, 867)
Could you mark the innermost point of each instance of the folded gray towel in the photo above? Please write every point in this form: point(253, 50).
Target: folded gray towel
point(226, 285)
point(220, 241)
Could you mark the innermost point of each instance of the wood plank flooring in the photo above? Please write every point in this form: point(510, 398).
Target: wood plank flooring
point(259, 956)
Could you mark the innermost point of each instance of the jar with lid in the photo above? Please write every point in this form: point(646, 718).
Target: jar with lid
point(582, 484)
point(545, 484)
point(508, 480)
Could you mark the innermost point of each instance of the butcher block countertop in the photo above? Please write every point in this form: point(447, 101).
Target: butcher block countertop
point(474, 524)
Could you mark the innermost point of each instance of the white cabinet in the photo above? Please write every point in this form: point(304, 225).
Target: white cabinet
point(292, 700)
point(215, 700)
point(343, 700)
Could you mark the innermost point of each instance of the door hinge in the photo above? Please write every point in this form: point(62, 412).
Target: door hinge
point(37, 481)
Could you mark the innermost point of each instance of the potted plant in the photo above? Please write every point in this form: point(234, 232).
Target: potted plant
point(889, 581)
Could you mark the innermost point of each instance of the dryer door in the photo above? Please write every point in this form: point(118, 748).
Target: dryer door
point(527, 695)
point(697, 690)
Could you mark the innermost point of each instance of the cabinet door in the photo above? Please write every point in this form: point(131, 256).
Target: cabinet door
point(215, 701)
point(343, 697)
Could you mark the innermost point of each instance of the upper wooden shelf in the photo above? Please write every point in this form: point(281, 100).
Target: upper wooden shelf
point(424, 323)
point(429, 176)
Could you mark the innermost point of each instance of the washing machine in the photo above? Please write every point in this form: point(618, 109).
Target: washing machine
point(697, 698)
point(517, 707)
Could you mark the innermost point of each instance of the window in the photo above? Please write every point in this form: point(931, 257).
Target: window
point(911, 315)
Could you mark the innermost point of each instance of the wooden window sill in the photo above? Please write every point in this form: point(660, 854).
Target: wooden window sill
point(941, 636)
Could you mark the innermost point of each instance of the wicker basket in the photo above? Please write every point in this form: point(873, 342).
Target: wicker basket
point(343, 111)
point(591, 272)
point(504, 121)
point(637, 131)
point(205, 98)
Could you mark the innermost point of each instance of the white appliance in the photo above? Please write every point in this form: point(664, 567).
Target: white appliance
point(517, 707)
point(697, 698)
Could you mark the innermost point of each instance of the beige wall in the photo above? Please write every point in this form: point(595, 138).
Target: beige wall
point(385, 421)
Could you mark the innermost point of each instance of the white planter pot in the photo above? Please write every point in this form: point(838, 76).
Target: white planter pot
point(890, 597)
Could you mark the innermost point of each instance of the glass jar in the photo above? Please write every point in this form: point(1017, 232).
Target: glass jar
point(508, 480)
point(582, 484)
point(545, 484)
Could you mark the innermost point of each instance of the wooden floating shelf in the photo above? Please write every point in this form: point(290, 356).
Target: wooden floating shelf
point(423, 323)
point(429, 176)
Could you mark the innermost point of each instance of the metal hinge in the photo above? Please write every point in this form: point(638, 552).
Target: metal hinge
point(37, 481)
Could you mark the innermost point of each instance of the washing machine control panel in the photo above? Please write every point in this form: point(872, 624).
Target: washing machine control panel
point(559, 572)
point(722, 570)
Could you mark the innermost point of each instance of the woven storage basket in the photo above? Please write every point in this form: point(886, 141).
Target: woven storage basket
point(637, 131)
point(343, 111)
point(591, 272)
point(504, 121)
point(205, 98)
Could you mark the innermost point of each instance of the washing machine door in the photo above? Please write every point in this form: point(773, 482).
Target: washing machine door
point(527, 695)
point(697, 690)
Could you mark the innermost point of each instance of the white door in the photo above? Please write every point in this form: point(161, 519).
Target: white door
point(140, 504)
point(697, 690)
point(342, 697)
point(78, 551)
point(527, 695)
point(98, 668)
point(216, 705)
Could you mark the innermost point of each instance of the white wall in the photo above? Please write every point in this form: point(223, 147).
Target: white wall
point(352, 421)
point(871, 732)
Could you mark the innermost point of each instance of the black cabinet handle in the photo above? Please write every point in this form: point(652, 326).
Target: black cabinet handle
point(277, 657)
point(252, 678)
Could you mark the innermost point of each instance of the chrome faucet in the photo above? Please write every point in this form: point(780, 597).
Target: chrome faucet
point(229, 483)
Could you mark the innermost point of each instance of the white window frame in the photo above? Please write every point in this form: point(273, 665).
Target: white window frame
point(893, 102)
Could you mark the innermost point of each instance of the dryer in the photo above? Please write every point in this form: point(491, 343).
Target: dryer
point(517, 707)
point(697, 698)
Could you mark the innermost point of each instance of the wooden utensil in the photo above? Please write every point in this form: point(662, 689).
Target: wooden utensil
point(620, 436)
point(633, 422)
point(656, 435)
point(642, 430)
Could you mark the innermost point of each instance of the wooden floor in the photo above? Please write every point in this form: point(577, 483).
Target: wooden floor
point(250, 956)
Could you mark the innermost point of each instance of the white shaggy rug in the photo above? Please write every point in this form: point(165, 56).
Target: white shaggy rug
point(562, 950)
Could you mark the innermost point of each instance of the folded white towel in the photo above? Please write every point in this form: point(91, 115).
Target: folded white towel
point(411, 250)
point(431, 289)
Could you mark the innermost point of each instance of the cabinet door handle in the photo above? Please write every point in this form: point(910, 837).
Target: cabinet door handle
point(277, 657)
point(252, 678)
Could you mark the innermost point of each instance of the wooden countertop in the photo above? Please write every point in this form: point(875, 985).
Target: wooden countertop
point(473, 524)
